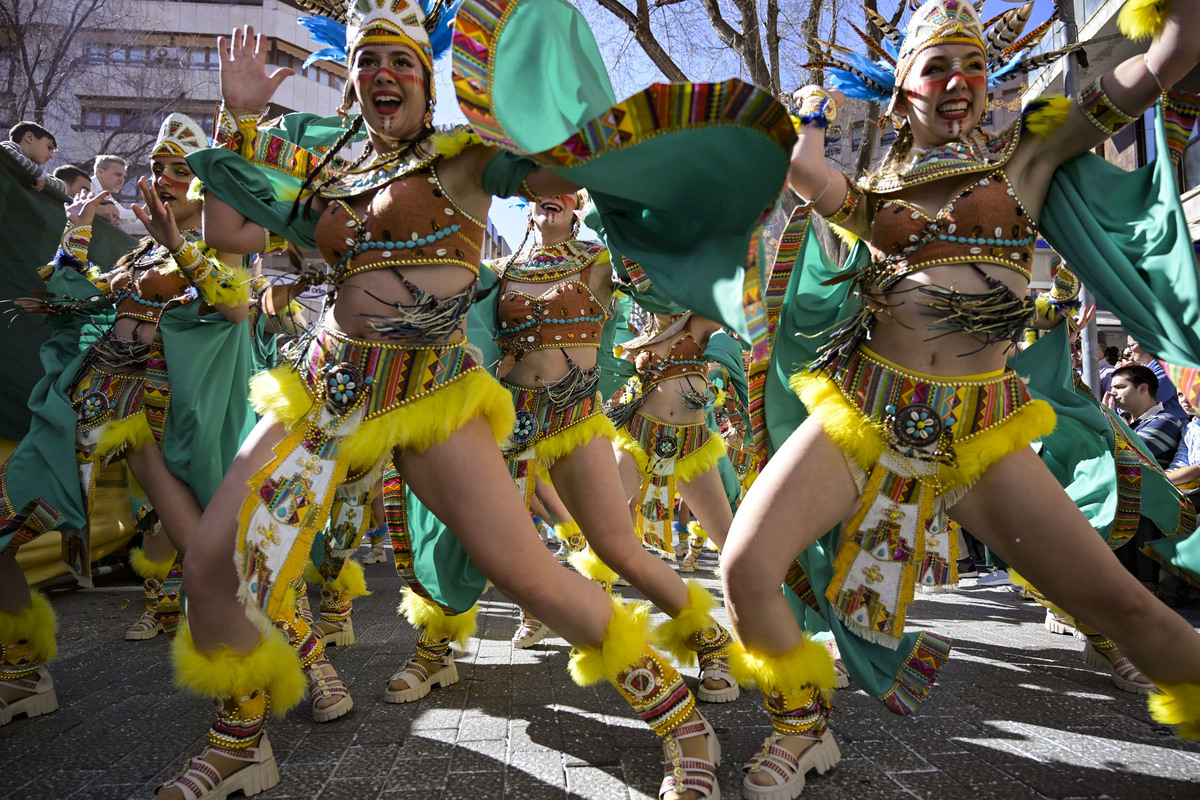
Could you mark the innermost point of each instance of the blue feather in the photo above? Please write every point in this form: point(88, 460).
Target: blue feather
point(326, 31)
point(326, 54)
point(851, 85)
point(441, 37)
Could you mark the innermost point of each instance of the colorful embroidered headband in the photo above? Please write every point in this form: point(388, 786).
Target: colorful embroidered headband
point(344, 26)
point(178, 136)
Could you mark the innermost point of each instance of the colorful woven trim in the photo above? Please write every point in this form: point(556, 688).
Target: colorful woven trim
point(1101, 112)
point(1180, 112)
point(101, 400)
point(916, 678)
point(345, 374)
point(539, 420)
point(663, 445)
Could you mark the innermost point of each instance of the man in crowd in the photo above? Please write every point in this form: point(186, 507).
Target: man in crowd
point(108, 174)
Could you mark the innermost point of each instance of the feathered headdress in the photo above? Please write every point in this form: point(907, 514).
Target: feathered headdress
point(179, 136)
point(346, 25)
point(933, 23)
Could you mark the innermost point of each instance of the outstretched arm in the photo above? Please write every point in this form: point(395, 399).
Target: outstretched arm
point(1122, 95)
point(826, 188)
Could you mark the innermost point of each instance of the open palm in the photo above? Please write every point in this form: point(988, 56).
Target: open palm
point(245, 85)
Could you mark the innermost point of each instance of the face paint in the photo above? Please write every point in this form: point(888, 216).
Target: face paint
point(391, 87)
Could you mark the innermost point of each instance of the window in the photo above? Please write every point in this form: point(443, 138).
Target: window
point(833, 142)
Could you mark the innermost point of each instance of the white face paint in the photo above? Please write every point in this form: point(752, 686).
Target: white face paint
point(945, 93)
point(389, 82)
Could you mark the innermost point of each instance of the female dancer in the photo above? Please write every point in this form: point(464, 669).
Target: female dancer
point(911, 407)
point(663, 442)
point(166, 372)
point(387, 376)
point(551, 309)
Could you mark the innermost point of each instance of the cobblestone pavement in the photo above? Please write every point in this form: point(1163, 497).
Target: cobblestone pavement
point(1017, 714)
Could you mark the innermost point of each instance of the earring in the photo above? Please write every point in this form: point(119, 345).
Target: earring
point(429, 115)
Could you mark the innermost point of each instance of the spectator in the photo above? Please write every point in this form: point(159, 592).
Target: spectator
point(1108, 361)
point(1134, 389)
point(1166, 389)
point(108, 175)
point(1111, 355)
point(32, 146)
point(76, 179)
point(1184, 470)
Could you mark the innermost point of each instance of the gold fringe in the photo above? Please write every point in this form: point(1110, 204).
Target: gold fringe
point(1051, 113)
point(132, 433)
point(589, 565)
point(675, 634)
point(433, 622)
point(1178, 704)
point(806, 664)
point(696, 464)
point(566, 442)
point(862, 441)
point(144, 568)
point(272, 665)
point(1140, 20)
point(351, 580)
point(36, 624)
point(625, 641)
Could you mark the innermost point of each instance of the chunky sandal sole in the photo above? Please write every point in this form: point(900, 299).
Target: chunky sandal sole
point(132, 635)
point(822, 757)
point(32, 706)
point(446, 676)
point(1094, 658)
point(343, 637)
point(532, 639)
point(1054, 626)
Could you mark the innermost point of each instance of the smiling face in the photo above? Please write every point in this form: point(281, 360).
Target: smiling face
point(171, 181)
point(944, 94)
point(390, 84)
point(554, 216)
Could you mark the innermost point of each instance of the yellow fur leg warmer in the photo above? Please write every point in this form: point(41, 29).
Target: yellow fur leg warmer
point(36, 625)
point(1179, 705)
point(1140, 20)
point(676, 634)
point(565, 530)
point(272, 665)
point(806, 664)
point(351, 580)
point(144, 568)
point(625, 641)
point(434, 623)
point(132, 433)
point(589, 565)
point(634, 448)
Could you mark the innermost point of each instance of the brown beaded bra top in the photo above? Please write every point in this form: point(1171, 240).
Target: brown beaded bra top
point(567, 314)
point(984, 223)
point(683, 358)
point(147, 285)
point(409, 221)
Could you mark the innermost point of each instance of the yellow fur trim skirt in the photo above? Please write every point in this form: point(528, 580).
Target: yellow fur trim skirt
point(347, 407)
point(553, 431)
point(915, 444)
point(108, 414)
point(660, 448)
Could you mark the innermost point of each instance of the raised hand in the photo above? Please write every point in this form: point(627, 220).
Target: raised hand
point(158, 217)
point(246, 88)
point(82, 209)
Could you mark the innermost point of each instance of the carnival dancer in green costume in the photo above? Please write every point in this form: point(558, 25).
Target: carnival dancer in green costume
point(149, 362)
point(664, 444)
point(911, 409)
point(388, 375)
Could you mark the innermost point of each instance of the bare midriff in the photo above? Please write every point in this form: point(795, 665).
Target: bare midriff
point(357, 305)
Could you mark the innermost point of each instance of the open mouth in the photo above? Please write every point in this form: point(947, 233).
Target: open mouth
point(552, 206)
point(954, 109)
point(166, 197)
point(387, 103)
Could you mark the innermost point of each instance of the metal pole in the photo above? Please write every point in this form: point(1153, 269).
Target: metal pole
point(1089, 354)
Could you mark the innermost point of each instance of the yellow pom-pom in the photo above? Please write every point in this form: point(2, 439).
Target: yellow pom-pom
point(1046, 114)
point(1140, 20)
point(451, 143)
point(352, 580)
point(806, 664)
point(272, 665)
point(37, 625)
point(144, 568)
point(589, 565)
